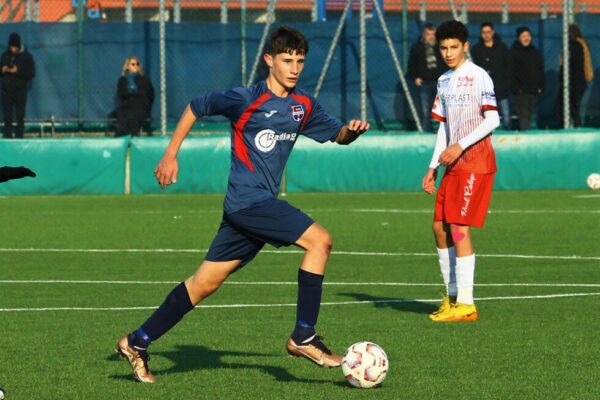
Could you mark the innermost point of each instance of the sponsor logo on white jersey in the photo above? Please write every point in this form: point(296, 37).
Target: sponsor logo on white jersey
point(266, 139)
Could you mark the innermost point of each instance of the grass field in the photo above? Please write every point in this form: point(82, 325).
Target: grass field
point(78, 272)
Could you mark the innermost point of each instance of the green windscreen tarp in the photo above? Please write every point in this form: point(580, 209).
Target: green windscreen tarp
point(86, 166)
point(375, 162)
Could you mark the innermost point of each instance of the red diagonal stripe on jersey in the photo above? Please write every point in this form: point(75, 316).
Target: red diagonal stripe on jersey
point(305, 101)
point(487, 107)
point(239, 147)
point(438, 117)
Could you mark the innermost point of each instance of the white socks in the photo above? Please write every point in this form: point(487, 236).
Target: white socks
point(465, 275)
point(447, 259)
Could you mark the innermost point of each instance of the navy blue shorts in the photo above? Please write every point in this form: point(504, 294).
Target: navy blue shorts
point(243, 233)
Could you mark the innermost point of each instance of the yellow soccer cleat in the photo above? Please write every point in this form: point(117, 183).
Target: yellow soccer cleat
point(458, 312)
point(447, 302)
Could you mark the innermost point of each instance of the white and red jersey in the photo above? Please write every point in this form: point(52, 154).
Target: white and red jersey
point(462, 97)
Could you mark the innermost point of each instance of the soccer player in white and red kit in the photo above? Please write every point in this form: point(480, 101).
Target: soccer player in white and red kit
point(465, 106)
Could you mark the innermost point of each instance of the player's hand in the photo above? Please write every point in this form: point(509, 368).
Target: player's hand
point(451, 154)
point(358, 127)
point(166, 171)
point(428, 183)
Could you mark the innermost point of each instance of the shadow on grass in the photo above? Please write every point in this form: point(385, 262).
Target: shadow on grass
point(399, 304)
point(188, 358)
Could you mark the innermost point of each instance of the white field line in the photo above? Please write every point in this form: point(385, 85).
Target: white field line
point(343, 253)
point(338, 303)
point(319, 210)
point(430, 211)
point(281, 283)
point(587, 196)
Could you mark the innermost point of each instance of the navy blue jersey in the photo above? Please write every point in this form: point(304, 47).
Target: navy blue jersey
point(264, 130)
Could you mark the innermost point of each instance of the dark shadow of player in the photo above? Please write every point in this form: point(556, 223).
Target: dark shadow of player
point(186, 358)
point(9, 173)
point(399, 304)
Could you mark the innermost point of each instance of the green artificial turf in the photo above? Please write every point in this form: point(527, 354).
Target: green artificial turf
point(527, 344)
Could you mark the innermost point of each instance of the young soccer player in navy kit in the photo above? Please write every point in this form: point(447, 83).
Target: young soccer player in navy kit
point(266, 120)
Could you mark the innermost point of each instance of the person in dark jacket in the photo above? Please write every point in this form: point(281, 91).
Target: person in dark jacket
point(577, 80)
point(493, 56)
point(17, 70)
point(136, 95)
point(425, 65)
point(528, 79)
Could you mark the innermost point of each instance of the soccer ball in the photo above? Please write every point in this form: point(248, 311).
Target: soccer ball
point(365, 365)
point(593, 181)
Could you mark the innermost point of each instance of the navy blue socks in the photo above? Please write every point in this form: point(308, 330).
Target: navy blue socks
point(309, 301)
point(170, 312)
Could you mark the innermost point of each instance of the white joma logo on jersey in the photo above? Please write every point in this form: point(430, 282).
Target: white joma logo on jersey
point(270, 113)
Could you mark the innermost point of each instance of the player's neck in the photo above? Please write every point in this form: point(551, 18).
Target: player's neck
point(277, 88)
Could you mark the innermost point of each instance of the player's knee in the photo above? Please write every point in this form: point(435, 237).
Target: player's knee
point(438, 228)
point(324, 243)
point(327, 243)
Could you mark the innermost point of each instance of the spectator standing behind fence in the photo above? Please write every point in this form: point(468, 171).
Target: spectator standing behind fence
point(17, 69)
point(528, 79)
point(136, 96)
point(493, 56)
point(425, 65)
point(581, 72)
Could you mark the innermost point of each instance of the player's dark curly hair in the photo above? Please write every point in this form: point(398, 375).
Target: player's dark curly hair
point(286, 40)
point(452, 30)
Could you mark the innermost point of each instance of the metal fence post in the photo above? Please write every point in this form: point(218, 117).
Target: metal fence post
point(405, 31)
point(80, 80)
point(544, 11)
point(163, 74)
point(129, 11)
point(28, 10)
point(243, 39)
point(224, 10)
point(565, 63)
point(363, 61)
point(505, 14)
point(177, 11)
point(36, 11)
point(422, 12)
point(453, 10)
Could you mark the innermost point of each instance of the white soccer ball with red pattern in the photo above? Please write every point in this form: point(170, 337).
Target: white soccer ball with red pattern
point(365, 365)
point(593, 181)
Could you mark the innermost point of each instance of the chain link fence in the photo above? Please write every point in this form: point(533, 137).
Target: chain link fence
point(80, 47)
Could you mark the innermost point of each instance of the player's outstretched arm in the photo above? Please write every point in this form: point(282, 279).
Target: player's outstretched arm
point(167, 169)
point(8, 173)
point(349, 133)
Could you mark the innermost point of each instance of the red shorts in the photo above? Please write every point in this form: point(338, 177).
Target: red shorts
point(464, 199)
